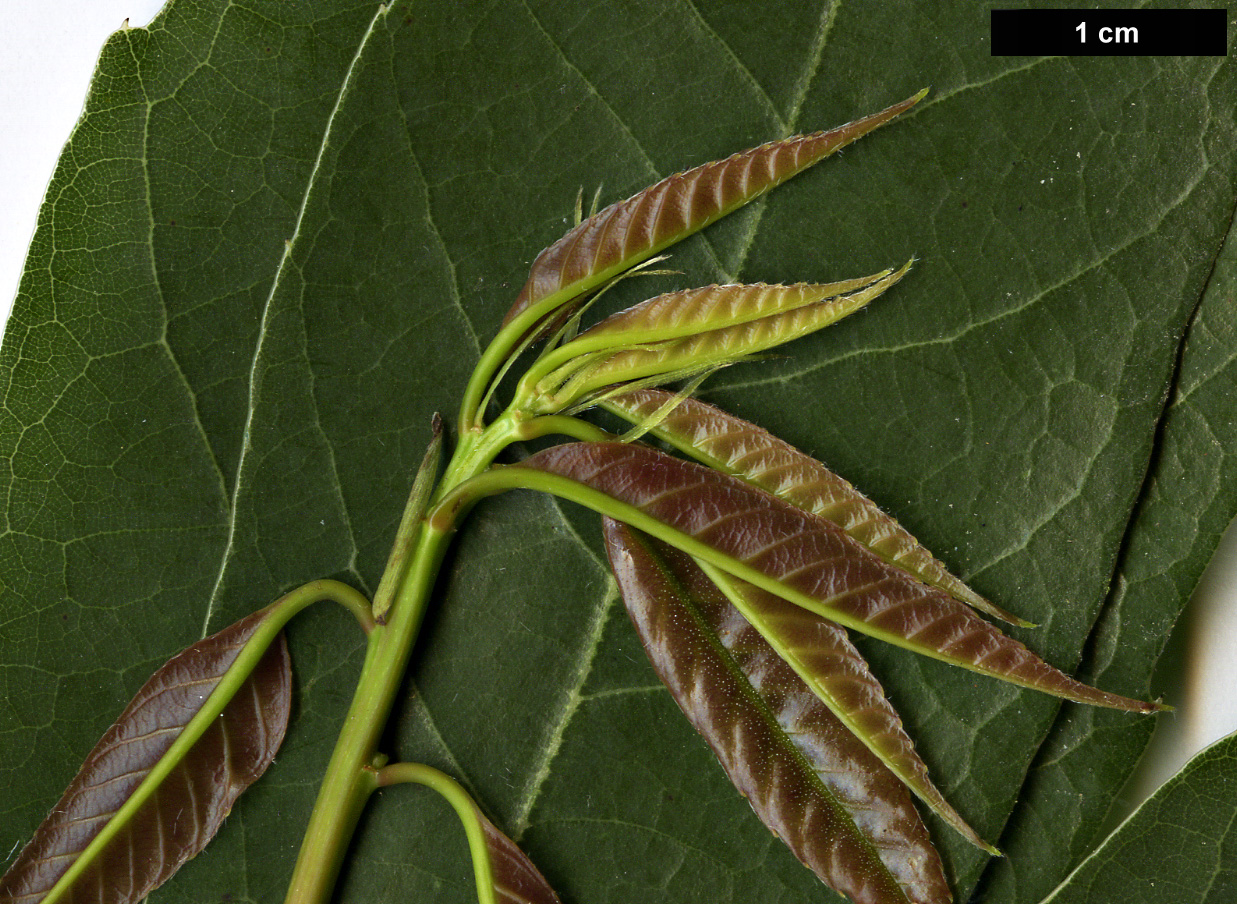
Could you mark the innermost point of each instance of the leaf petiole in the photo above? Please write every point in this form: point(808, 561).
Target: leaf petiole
point(465, 809)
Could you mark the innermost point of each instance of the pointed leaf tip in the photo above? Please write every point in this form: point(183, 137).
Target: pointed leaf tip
point(681, 334)
point(829, 666)
point(757, 537)
point(632, 230)
point(735, 446)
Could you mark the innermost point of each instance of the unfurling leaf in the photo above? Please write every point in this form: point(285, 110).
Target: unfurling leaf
point(829, 666)
point(690, 311)
point(735, 446)
point(809, 779)
point(800, 557)
point(172, 817)
point(630, 231)
point(688, 332)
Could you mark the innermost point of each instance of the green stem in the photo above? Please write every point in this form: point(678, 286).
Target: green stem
point(410, 523)
point(350, 775)
point(552, 424)
point(501, 349)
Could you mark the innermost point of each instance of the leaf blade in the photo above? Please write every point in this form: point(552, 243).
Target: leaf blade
point(763, 540)
point(633, 230)
point(829, 665)
point(965, 421)
point(1174, 849)
point(735, 446)
point(686, 312)
point(809, 780)
point(140, 853)
point(694, 351)
point(516, 878)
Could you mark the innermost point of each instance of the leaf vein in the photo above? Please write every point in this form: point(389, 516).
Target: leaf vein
point(613, 114)
point(254, 366)
point(571, 703)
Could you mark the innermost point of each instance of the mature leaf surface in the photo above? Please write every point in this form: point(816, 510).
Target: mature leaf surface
point(807, 559)
point(807, 776)
point(192, 423)
point(735, 446)
point(1188, 824)
point(1185, 507)
point(174, 821)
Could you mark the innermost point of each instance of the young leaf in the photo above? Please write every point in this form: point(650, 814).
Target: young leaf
point(804, 558)
point(630, 231)
point(627, 233)
point(809, 779)
point(691, 311)
point(735, 446)
point(684, 333)
point(138, 848)
point(829, 666)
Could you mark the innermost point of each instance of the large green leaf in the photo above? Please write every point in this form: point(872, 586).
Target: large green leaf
point(1175, 849)
point(275, 243)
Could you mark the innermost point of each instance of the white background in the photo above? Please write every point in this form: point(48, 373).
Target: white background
point(47, 54)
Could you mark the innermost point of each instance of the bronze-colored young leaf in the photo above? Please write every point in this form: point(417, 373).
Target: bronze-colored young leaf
point(728, 326)
point(516, 879)
point(821, 654)
point(809, 779)
point(794, 554)
point(177, 818)
point(630, 231)
point(735, 446)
